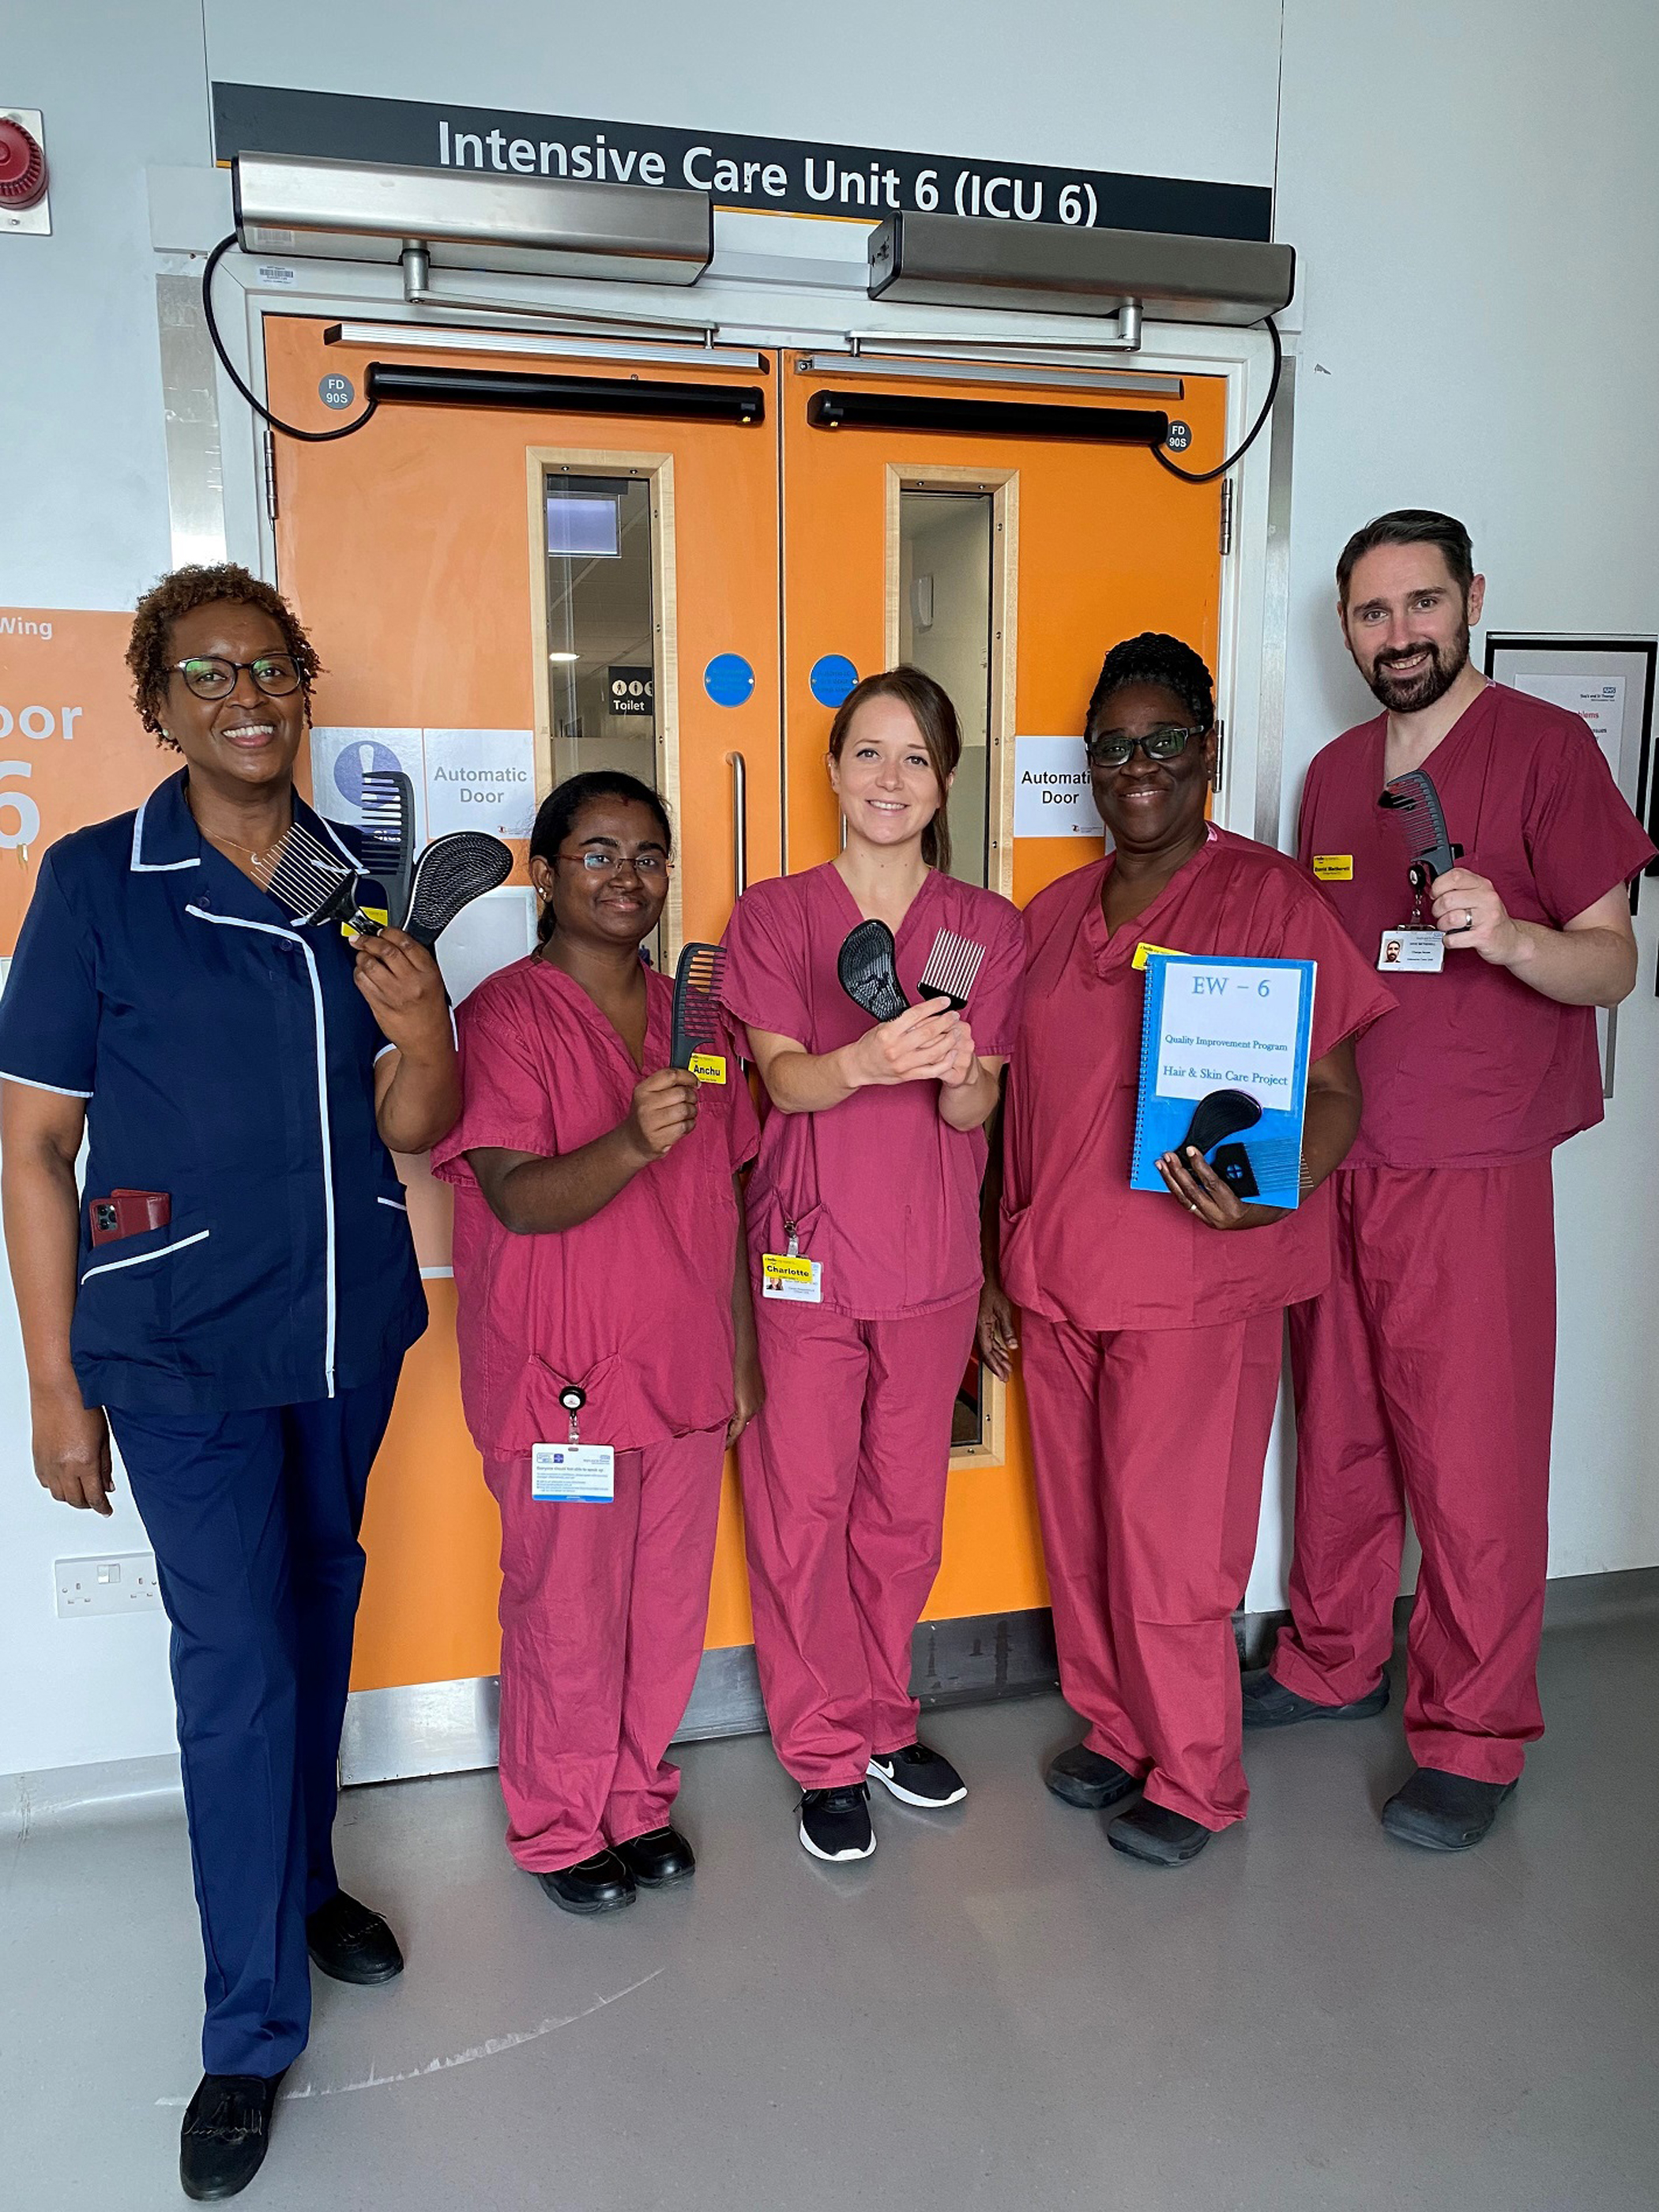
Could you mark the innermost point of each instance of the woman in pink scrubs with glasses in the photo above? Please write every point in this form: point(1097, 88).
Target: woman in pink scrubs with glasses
point(606, 1341)
point(868, 1180)
point(1154, 1321)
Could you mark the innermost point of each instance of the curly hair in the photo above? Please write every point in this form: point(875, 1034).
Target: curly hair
point(1155, 658)
point(180, 592)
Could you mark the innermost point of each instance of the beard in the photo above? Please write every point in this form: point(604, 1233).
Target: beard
point(1410, 695)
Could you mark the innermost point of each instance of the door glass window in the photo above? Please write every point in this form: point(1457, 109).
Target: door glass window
point(601, 624)
point(946, 541)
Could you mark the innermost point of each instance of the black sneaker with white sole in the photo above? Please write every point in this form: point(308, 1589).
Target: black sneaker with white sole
point(835, 1824)
point(916, 1776)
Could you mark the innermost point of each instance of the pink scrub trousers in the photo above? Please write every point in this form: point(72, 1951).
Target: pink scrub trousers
point(1149, 1446)
point(602, 1609)
point(844, 1474)
point(1425, 1378)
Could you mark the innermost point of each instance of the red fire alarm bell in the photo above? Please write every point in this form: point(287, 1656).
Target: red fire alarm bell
point(23, 178)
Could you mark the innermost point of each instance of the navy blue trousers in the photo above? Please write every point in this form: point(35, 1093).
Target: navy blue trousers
point(253, 1518)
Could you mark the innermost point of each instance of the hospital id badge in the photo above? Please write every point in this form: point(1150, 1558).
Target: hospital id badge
point(1411, 952)
point(572, 1474)
point(787, 1275)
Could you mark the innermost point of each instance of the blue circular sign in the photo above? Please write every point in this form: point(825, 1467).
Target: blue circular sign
point(728, 679)
point(351, 762)
point(832, 678)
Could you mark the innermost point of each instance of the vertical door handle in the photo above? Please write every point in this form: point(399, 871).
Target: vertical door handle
point(740, 769)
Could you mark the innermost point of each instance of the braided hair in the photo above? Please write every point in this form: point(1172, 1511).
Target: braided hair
point(1155, 658)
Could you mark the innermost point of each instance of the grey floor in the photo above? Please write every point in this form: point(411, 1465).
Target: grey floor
point(996, 2010)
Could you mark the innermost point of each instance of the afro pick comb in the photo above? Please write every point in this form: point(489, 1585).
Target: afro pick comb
point(951, 967)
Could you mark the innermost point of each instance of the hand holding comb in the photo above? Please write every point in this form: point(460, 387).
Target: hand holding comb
point(696, 1026)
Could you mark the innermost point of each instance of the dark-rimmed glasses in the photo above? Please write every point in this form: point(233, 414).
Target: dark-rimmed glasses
point(1165, 744)
point(649, 867)
point(210, 676)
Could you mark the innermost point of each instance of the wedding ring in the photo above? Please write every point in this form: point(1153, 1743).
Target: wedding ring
point(1468, 917)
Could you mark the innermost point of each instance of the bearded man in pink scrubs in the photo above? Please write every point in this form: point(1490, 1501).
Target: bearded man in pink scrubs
point(1425, 1374)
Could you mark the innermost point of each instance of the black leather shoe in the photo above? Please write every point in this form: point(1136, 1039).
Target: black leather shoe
point(658, 1857)
point(1268, 1704)
point(226, 2134)
point(1441, 1812)
point(352, 1944)
point(599, 1884)
point(1084, 1777)
point(1157, 1836)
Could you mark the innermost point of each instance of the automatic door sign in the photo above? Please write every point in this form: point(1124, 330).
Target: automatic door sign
point(1053, 795)
point(630, 691)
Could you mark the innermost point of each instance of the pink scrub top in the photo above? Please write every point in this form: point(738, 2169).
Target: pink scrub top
point(1476, 1069)
point(635, 1304)
point(1077, 1244)
point(880, 1189)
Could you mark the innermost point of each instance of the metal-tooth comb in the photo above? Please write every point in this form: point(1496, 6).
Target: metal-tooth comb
point(697, 980)
point(314, 884)
point(869, 971)
point(450, 873)
point(951, 967)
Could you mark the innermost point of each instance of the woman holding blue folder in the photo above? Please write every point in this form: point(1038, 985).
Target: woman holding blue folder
point(1152, 1326)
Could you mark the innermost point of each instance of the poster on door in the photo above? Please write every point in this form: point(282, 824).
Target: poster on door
point(72, 749)
point(462, 779)
point(1053, 795)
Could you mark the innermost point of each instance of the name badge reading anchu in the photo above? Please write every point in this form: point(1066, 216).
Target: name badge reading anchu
point(708, 1067)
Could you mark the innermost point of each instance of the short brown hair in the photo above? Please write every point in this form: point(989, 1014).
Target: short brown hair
point(935, 719)
point(180, 592)
point(1410, 526)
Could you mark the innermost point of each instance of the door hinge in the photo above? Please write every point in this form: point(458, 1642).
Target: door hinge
point(1227, 515)
point(1220, 751)
point(270, 458)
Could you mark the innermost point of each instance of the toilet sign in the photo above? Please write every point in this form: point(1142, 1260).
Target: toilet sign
point(630, 691)
point(1052, 793)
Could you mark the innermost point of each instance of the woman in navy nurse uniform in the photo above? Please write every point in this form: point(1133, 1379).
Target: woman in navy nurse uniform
point(239, 1323)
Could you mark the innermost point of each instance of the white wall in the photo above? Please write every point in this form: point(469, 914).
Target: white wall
point(1473, 191)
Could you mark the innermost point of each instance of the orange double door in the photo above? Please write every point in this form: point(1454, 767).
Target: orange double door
point(688, 596)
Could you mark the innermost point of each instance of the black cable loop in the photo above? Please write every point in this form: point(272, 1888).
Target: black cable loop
point(287, 429)
point(1209, 476)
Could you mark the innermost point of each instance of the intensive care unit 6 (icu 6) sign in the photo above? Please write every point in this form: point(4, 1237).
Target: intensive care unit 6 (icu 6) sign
point(781, 176)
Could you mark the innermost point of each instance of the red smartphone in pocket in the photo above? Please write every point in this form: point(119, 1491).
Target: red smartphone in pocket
point(128, 1213)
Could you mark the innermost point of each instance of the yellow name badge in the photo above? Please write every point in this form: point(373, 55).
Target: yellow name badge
point(708, 1067)
point(1334, 867)
point(371, 914)
point(783, 1275)
point(1143, 952)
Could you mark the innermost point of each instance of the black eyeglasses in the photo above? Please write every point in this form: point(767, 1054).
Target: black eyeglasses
point(649, 867)
point(1165, 744)
point(211, 676)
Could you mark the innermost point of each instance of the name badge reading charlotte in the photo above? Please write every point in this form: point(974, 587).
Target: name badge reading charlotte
point(572, 1474)
point(787, 1275)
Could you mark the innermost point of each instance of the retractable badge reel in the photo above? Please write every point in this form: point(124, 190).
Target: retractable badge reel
point(573, 1473)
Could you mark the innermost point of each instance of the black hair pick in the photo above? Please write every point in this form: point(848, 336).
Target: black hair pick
point(868, 968)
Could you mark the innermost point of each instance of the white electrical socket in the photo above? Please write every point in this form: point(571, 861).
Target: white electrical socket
point(120, 1582)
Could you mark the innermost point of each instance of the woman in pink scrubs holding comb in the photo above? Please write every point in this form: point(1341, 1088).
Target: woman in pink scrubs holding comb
point(867, 1186)
point(1154, 1321)
point(607, 1348)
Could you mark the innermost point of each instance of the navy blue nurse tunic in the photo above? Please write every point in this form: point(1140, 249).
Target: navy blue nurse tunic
point(247, 1350)
point(226, 1058)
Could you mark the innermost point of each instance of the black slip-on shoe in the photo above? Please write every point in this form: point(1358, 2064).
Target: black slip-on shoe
point(1268, 1704)
point(1441, 1812)
point(600, 1883)
point(1088, 1779)
point(835, 1824)
point(1157, 1836)
point(659, 1856)
point(224, 2135)
point(352, 1944)
point(916, 1776)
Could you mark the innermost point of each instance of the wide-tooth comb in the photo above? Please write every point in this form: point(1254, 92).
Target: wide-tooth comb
point(1416, 804)
point(869, 973)
point(951, 967)
point(312, 883)
point(386, 836)
point(450, 873)
point(697, 980)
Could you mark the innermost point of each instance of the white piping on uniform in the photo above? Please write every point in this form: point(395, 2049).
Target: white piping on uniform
point(396, 1204)
point(270, 929)
point(133, 1258)
point(57, 1090)
point(153, 867)
point(340, 845)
